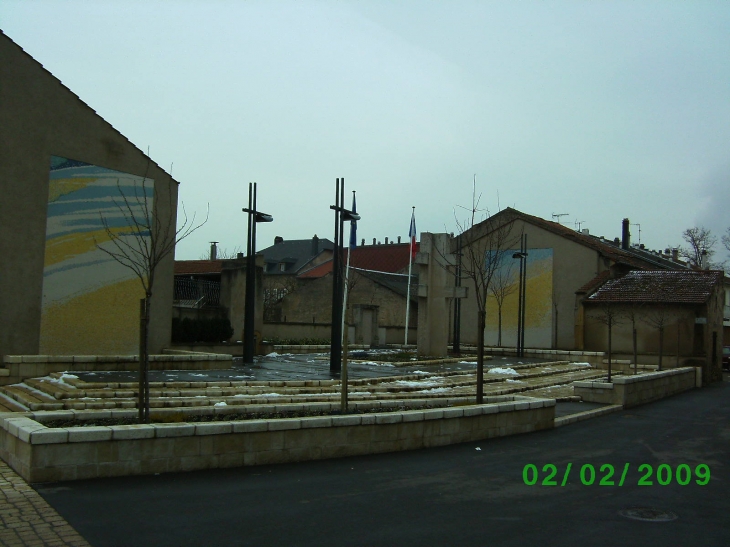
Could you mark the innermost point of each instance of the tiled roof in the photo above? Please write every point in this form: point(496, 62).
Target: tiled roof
point(198, 267)
point(659, 286)
point(377, 258)
point(594, 283)
point(635, 259)
point(295, 253)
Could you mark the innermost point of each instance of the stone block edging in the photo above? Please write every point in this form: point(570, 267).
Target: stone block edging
point(634, 390)
point(40, 454)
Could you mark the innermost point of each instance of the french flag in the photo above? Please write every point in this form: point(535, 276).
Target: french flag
point(412, 234)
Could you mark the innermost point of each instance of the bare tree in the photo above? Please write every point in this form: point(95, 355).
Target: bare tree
point(726, 240)
point(659, 316)
point(483, 244)
point(149, 236)
point(609, 315)
point(633, 315)
point(222, 254)
point(700, 245)
point(502, 285)
point(276, 287)
point(556, 299)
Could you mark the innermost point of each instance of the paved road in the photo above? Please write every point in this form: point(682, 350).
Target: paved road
point(456, 495)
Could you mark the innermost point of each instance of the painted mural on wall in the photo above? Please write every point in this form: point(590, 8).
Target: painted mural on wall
point(90, 302)
point(538, 298)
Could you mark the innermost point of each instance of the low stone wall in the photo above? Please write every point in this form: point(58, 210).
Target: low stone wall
point(20, 367)
point(638, 389)
point(594, 358)
point(42, 454)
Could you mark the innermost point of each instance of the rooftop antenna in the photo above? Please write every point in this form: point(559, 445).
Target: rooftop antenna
point(639, 225)
point(560, 215)
point(578, 223)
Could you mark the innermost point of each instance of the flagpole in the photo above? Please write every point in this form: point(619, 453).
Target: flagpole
point(410, 267)
point(344, 300)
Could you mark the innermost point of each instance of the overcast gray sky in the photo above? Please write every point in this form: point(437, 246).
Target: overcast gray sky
point(602, 110)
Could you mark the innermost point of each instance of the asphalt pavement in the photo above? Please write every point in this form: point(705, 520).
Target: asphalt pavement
point(469, 494)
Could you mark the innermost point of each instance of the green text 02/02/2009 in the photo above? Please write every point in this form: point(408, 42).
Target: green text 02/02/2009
point(606, 474)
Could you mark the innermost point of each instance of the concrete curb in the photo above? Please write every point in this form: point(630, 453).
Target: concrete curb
point(588, 414)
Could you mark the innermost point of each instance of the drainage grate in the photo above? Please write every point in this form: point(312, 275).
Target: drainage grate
point(651, 514)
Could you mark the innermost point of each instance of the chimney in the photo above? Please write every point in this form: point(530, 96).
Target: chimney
point(625, 235)
point(386, 240)
point(398, 239)
point(239, 256)
point(213, 250)
point(315, 245)
point(373, 241)
point(362, 244)
point(675, 255)
point(278, 239)
point(585, 232)
point(704, 263)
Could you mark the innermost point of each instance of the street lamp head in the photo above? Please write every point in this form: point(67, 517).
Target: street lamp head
point(519, 255)
point(259, 216)
point(349, 215)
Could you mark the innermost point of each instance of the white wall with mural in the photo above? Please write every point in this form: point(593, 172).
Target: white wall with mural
point(538, 300)
point(90, 301)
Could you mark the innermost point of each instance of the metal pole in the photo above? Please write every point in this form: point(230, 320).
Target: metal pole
point(524, 296)
point(519, 305)
point(408, 290)
point(336, 333)
point(457, 301)
point(248, 321)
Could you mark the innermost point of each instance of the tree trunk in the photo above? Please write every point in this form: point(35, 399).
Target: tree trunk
point(499, 327)
point(661, 346)
point(609, 351)
point(142, 353)
point(343, 373)
point(481, 324)
point(143, 398)
point(636, 359)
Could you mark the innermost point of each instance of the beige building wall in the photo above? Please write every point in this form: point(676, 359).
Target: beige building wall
point(41, 118)
point(311, 302)
point(573, 265)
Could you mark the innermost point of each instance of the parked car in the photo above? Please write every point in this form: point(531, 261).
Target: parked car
point(726, 357)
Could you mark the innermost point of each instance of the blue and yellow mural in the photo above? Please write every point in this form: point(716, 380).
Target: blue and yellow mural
point(538, 298)
point(90, 301)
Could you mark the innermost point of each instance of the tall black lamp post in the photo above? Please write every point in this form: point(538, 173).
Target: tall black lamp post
point(522, 256)
point(254, 216)
point(341, 215)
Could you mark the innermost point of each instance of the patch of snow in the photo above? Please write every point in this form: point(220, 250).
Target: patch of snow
point(268, 395)
point(222, 403)
point(515, 381)
point(477, 448)
point(436, 390)
point(582, 364)
point(272, 354)
point(499, 370)
point(419, 372)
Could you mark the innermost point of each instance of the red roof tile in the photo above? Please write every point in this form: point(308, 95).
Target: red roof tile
point(378, 258)
point(659, 287)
